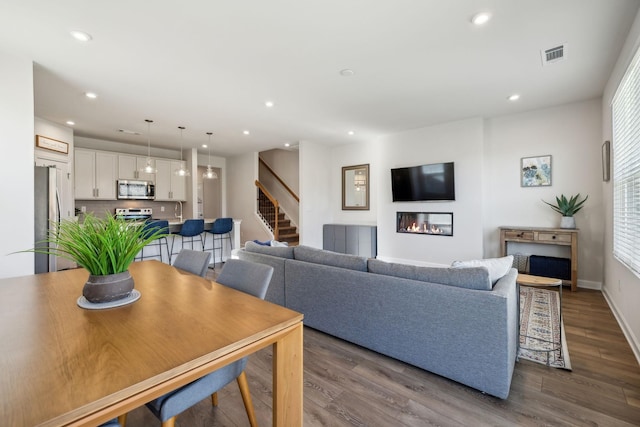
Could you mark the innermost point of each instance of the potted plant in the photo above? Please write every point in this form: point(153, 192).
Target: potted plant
point(567, 208)
point(105, 248)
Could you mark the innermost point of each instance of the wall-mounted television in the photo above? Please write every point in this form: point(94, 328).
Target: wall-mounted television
point(433, 182)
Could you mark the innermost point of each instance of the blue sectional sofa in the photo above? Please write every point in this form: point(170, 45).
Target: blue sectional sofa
point(454, 322)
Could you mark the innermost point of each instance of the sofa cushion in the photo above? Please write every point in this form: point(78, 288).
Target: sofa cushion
point(497, 267)
point(278, 251)
point(320, 256)
point(471, 278)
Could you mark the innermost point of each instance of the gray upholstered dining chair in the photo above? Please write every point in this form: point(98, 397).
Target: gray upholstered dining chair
point(195, 262)
point(247, 277)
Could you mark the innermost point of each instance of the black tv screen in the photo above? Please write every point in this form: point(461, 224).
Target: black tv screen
point(423, 183)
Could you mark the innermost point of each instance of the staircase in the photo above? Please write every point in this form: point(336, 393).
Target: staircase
point(287, 232)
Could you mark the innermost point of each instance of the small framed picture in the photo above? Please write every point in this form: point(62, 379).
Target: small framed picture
point(52, 144)
point(535, 171)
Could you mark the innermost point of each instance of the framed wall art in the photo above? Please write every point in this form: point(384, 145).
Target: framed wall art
point(535, 171)
point(52, 144)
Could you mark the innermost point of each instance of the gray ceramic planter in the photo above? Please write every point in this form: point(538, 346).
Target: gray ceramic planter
point(108, 288)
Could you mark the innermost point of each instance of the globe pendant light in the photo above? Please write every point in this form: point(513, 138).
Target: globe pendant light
point(149, 166)
point(210, 173)
point(182, 171)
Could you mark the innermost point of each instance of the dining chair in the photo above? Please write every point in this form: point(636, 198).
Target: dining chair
point(196, 262)
point(112, 423)
point(150, 228)
point(244, 276)
point(191, 229)
point(220, 228)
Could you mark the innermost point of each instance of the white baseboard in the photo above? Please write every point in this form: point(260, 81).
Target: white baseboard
point(587, 284)
point(631, 338)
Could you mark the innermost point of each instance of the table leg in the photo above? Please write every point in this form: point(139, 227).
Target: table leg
point(288, 379)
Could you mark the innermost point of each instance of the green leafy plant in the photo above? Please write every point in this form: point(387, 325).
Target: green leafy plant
point(567, 207)
point(102, 246)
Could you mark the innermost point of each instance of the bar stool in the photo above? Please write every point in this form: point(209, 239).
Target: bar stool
point(151, 227)
point(191, 228)
point(219, 228)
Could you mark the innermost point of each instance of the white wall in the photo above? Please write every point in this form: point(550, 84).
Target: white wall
point(315, 190)
point(242, 171)
point(621, 286)
point(571, 135)
point(16, 175)
point(459, 142)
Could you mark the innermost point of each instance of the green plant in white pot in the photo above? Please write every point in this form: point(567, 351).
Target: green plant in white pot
point(568, 208)
point(105, 248)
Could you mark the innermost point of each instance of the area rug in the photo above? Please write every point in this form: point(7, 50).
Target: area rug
point(540, 330)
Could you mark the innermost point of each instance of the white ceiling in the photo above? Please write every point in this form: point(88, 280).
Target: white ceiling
point(210, 65)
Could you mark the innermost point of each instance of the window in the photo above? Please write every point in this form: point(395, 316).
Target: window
point(626, 168)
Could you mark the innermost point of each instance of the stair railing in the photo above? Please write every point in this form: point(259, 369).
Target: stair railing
point(286, 187)
point(268, 209)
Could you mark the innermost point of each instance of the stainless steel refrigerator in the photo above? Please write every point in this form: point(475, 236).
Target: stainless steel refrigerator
point(47, 214)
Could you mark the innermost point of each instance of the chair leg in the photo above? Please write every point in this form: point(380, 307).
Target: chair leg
point(243, 384)
point(214, 399)
point(171, 422)
point(122, 419)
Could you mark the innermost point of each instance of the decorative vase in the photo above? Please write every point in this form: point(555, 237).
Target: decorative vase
point(568, 222)
point(108, 288)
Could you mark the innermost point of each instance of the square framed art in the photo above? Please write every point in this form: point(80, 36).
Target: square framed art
point(535, 171)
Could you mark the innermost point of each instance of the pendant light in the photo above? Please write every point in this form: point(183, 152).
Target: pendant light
point(182, 171)
point(210, 173)
point(149, 166)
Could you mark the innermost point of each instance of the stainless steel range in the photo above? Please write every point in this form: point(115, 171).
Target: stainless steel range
point(134, 214)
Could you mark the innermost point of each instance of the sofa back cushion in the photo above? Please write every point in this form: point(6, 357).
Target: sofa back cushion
point(278, 251)
point(471, 278)
point(497, 267)
point(334, 259)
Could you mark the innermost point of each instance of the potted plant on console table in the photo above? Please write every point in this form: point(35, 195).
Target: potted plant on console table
point(567, 208)
point(105, 248)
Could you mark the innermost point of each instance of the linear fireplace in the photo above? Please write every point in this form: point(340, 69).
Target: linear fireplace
point(435, 223)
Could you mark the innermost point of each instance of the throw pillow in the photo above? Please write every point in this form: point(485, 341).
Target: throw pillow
point(497, 267)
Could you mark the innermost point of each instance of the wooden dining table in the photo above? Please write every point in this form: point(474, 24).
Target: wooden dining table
point(62, 365)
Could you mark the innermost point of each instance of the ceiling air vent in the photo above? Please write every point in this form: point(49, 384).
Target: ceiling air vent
point(554, 54)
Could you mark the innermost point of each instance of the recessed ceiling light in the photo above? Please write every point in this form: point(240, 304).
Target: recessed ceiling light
point(351, 132)
point(346, 72)
point(246, 132)
point(286, 144)
point(514, 97)
point(481, 18)
point(204, 145)
point(269, 104)
point(81, 35)
point(71, 122)
point(91, 95)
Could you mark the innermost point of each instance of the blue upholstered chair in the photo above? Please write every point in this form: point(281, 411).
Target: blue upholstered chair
point(196, 262)
point(151, 227)
point(191, 230)
point(112, 423)
point(219, 228)
point(245, 276)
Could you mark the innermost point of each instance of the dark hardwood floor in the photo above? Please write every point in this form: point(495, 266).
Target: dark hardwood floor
point(347, 385)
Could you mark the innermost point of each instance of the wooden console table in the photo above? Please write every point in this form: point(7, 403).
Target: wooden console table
point(546, 236)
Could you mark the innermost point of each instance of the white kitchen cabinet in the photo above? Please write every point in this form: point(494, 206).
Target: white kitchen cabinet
point(169, 186)
point(95, 175)
point(132, 167)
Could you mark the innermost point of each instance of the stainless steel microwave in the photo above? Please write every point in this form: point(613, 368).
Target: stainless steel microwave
point(137, 190)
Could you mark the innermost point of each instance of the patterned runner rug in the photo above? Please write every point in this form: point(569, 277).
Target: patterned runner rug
point(541, 338)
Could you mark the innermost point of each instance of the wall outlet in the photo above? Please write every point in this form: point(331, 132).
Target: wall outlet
point(161, 208)
point(83, 209)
